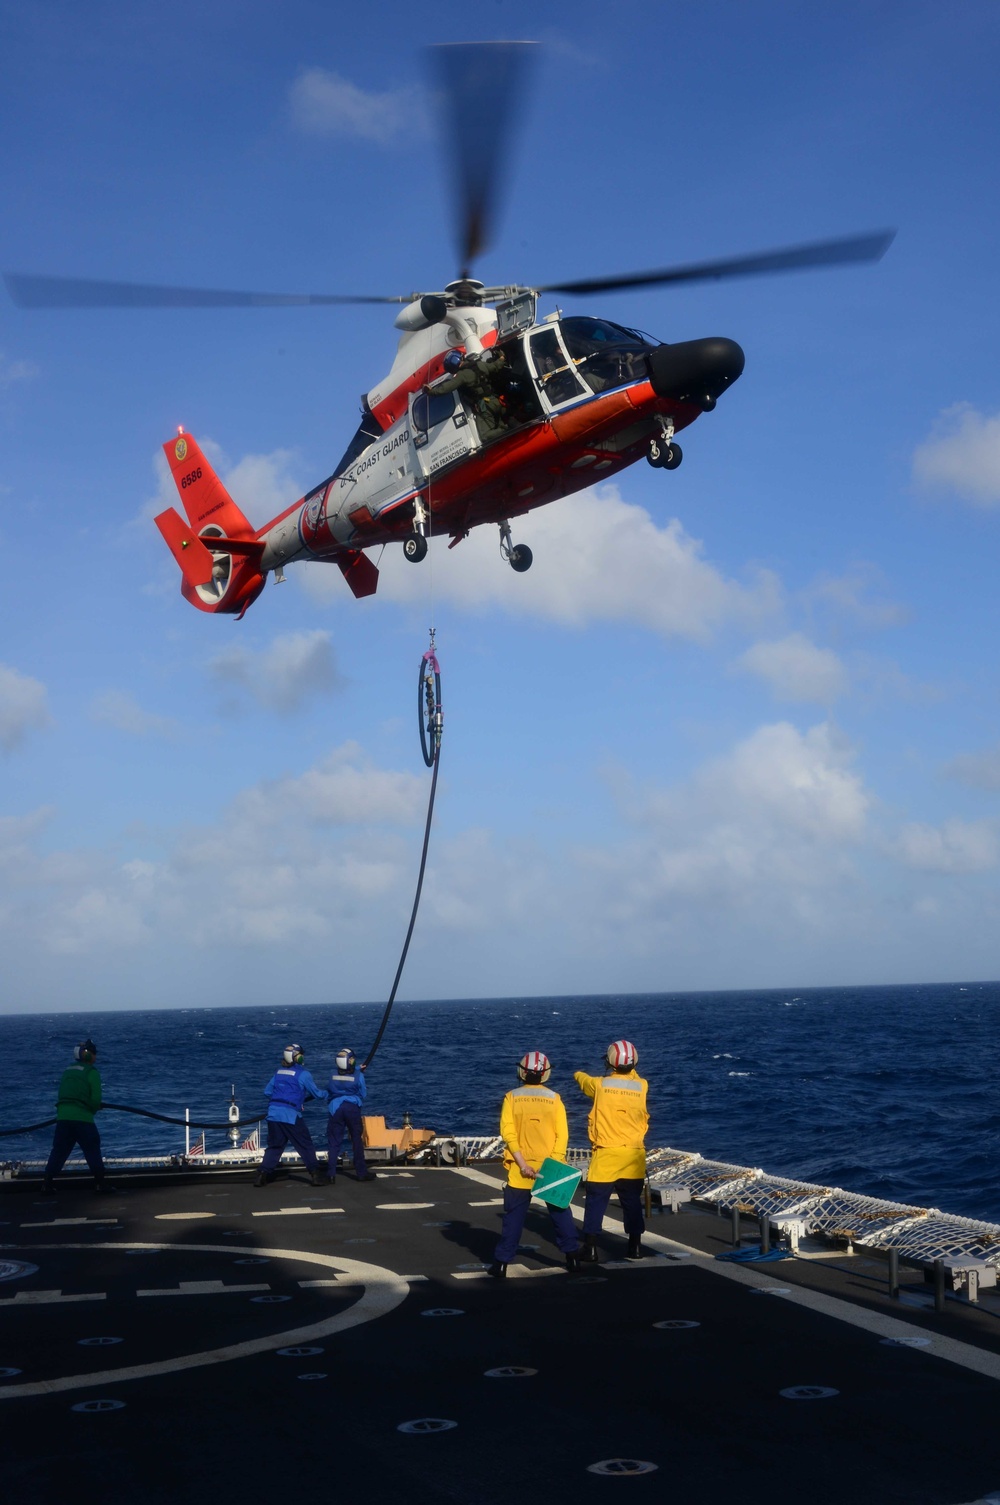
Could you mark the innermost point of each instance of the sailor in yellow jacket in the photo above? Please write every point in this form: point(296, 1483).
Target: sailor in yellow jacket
point(533, 1126)
point(617, 1123)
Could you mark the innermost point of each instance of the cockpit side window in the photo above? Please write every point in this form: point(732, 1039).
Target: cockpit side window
point(606, 355)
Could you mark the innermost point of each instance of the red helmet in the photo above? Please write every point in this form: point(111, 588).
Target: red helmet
point(534, 1064)
point(622, 1055)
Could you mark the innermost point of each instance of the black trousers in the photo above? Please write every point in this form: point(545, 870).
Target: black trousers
point(67, 1136)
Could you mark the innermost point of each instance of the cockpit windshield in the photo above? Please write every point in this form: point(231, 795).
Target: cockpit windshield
point(605, 354)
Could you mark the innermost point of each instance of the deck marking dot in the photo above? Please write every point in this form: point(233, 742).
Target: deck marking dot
point(297, 1353)
point(443, 1311)
point(270, 1300)
point(382, 1291)
point(181, 1217)
point(8, 1374)
point(402, 1206)
point(905, 1342)
point(255, 1259)
point(424, 1424)
point(97, 1342)
point(360, 1241)
point(446, 1224)
point(808, 1392)
point(769, 1290)
point(16, 1269)
point(509, 1372)
point(676, 1322)
point(312, 1376)
point(622, 1466)
point(479, 1265)
point(99, 1405)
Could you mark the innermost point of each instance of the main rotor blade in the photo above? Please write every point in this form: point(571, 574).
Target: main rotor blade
point(819, 253)
point(30, 291)
point(481, 85)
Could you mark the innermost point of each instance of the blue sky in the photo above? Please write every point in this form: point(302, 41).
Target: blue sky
point(738, 727)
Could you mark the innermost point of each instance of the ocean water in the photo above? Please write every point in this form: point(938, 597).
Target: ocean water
point(892, 1091)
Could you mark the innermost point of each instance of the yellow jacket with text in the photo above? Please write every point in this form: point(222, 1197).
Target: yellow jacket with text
point(617, 1123)
point(533, 1124)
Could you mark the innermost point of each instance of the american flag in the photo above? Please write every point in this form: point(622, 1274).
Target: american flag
point(198, 1148)
point(253, 1141)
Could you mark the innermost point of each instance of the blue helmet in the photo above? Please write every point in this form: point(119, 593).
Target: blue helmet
point(452, 360)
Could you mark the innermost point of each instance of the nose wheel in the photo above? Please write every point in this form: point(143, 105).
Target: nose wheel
point(518, 556)
point(415, 548)
point(664, 454)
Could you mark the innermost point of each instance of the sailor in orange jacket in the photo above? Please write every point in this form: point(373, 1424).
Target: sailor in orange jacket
point(617, 1123)
point(533, 1126)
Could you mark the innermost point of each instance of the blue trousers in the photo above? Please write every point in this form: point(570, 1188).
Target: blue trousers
point(279, 1135)
point(598, 1195)
point(67, 1135)
point(516, 1201)
point(346, 1119)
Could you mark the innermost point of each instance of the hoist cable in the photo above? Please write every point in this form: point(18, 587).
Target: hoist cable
point(429, 704)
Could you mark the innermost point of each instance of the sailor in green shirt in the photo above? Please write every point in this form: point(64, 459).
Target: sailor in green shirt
point(78, 1101)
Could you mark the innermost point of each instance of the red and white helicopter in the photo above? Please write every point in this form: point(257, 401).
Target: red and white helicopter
point(546, 407)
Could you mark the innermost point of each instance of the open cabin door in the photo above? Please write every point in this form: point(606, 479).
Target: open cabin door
point(553, 370)
point(441, 429)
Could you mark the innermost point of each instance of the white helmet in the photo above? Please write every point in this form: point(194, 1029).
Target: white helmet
point(622, 1055)
point(345, 1059)
point(293, 1055)
point(534, 1064)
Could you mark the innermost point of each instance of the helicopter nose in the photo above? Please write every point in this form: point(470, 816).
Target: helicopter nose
point(696, 371)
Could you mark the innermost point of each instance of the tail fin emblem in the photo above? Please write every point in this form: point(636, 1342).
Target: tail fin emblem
point(181, 449)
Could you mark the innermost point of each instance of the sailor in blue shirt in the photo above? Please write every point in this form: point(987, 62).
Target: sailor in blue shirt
point(288, 1090)
point(347, 1093)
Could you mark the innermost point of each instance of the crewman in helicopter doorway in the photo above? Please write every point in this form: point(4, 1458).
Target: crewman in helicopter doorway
point(617, 1123)
point(348, 1091)
point(534, 1128)
point(288, 1090)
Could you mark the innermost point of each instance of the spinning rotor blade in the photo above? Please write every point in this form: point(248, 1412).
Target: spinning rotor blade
point(817, 254)
point(481, 85)
point(82, 292)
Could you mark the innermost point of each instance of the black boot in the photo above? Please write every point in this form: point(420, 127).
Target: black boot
point(261, 1178)
point(104, 1189)
point(574, 1265)
point(317, 1178)
point(635, 1249)
point(369, 1176)
point(497, 1270)
point(588, 1253)
point(48, 1188)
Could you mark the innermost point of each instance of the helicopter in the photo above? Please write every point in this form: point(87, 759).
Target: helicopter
point(488, 410)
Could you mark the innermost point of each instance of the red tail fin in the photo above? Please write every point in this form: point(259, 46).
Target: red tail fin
point(203, 496)
point(216, 578)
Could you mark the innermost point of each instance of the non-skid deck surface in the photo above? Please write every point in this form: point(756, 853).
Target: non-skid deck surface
point(164, 1312)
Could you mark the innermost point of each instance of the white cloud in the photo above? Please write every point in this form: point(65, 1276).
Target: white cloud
point(956, 846)
point(857, 596)
point(980, 770)
point(23, 707)
point(12, 372)
point(282, 677)
point(323, 103)
point(597, 558)
point(796, 669)
point(962, 456)
point(122, 711)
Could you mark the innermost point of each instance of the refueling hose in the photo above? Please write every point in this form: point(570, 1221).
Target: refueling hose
point(431, 720)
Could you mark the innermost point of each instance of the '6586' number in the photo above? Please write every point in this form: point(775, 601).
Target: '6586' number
point(189, 480)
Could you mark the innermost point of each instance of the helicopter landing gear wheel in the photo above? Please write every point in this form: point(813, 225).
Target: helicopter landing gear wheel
point(518, 556)
point(672, 457)
point(664, 454)
point(415, 548)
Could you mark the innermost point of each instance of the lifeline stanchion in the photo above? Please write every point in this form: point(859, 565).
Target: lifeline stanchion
point(429, 707)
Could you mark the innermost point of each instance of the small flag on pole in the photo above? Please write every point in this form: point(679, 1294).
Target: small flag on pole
point(253, 1141)
point(198, 1148)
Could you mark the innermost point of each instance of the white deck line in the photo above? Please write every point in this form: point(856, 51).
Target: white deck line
point(979, 1360)
point(296, 1212)
point(46, 1298)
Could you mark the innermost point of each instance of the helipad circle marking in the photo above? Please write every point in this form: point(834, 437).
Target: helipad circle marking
point(8, 1374)
point(297, 1353)
point(623, 1467)
point(312, 1376)
point(676, 1322)
point(591, 1280)
point(808, 1392)
point(99, 1405)
point(769, 1290)
point(905, 1342)
point(509, 1372)
point(382, 1292)
point(478, 1266)
point(443, 1311)
point(426, 1424)
point(361, 1241)
point(16, 1269)
point(269, 1300)
point(256, 1259)
point(97, 1342)
point(446, 1224)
